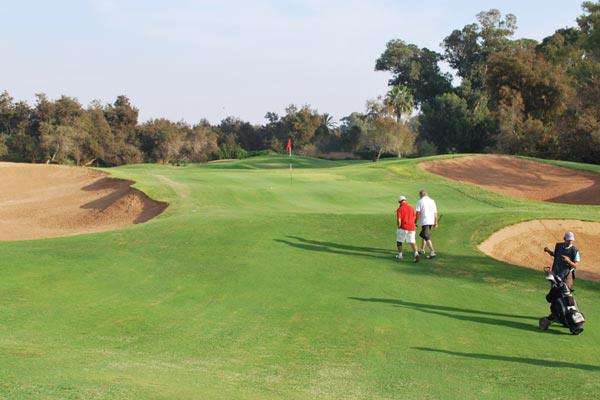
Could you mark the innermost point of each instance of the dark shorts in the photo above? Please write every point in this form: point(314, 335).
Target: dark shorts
point(426, 232)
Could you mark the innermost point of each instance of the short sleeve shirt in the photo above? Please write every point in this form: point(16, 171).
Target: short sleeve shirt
point(560, 266)
point(406, 215)
point(427, 209)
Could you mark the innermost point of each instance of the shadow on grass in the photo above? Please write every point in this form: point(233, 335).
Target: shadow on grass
point(465, 314)
point(338, 248)
point(439, 308)
point(520, 360)
point(474, 268)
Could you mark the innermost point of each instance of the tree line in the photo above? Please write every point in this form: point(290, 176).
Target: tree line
point(63, 131)
point(514, 96)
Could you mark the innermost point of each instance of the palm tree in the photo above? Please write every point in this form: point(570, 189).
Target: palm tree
point(401, 100)
point(327, 121)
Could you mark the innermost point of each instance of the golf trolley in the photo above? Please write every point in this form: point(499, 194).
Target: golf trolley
point(563, 306)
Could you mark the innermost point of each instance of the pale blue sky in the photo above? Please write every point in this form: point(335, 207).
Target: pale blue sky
point(193, 59)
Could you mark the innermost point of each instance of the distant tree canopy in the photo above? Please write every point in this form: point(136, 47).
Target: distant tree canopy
point(63, 131)
point(501, 94)
point(514, 96)
point(415, 69)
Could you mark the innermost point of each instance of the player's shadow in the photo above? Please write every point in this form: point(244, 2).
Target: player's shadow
point(338, 248)
point(465, 314)
point(470, 267)
point(520, 360)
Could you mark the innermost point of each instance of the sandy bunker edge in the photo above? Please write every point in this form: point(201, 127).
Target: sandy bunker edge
point(520, 177)
point(45, 201)
point(522, 244)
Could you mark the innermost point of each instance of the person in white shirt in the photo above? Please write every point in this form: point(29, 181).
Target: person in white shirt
point(427, 218)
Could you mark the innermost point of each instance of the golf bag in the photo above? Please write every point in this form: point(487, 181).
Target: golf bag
point(563, 307)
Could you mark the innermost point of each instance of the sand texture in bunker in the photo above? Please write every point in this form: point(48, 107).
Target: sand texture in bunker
point(523, 244)
point(514, 176)
point(41, 201)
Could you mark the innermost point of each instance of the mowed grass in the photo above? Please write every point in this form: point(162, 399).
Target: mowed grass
point(252, 286)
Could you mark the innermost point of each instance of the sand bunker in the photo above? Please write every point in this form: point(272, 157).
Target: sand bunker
point(518, 177)
point(40, 201)
point(522, 244)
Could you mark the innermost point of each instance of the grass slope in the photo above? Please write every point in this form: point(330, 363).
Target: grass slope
point(252, 287)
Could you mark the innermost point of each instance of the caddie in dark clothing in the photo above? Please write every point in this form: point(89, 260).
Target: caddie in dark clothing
point(566, 256)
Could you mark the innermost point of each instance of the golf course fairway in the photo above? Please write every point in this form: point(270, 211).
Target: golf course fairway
point(255, 285)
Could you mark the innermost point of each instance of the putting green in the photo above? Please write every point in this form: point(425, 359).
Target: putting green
point(252, 287)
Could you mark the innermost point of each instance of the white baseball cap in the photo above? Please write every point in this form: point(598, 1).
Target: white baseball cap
point(569, 236)
point(402, 198)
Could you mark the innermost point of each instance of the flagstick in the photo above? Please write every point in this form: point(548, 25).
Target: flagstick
point(288, 147)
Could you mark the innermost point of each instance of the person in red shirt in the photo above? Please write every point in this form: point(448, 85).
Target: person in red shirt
point(405, 217)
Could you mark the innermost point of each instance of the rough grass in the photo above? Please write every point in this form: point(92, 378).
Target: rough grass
point(252, 287)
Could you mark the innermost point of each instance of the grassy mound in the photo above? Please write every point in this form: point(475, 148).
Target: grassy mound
point(250, 286)
point(277, 162)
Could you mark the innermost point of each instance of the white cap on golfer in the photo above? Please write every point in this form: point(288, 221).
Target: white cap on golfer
point(401, 198)
point(569, 236)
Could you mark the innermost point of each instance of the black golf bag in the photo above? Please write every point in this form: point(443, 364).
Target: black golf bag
point(563, 307)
